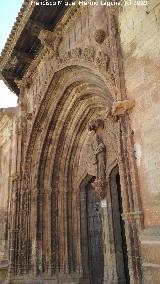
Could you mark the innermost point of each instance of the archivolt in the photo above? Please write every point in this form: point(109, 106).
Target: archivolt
point(74, 97)
point(58, 94)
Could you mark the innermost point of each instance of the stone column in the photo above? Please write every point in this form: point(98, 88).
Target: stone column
point(131, 200)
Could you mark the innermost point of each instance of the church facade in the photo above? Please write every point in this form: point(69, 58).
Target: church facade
point(80, 154)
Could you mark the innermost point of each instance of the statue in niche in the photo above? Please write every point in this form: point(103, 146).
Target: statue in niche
point(100, 156)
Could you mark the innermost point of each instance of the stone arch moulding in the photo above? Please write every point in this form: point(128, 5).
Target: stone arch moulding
point(75, 96)
point(78, 57)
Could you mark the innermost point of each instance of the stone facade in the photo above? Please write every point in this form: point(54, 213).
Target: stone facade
point(83, 154)
point(6, 155)
point(140, 56)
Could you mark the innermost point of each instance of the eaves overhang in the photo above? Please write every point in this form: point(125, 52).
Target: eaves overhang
point(23, 43)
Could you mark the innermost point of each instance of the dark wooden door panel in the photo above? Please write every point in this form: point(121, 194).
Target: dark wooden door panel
point(95, 242)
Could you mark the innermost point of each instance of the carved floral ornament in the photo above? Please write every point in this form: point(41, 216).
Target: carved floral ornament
point(88, 54)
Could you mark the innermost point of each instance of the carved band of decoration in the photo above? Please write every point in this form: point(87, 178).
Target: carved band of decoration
point(51, 40)
point(29, 116)
point(102, 60)
point(120, 108)
point(134, 214)
point(88, 54)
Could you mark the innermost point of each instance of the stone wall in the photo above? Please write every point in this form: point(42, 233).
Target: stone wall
point(6, 126)
point(140, 33)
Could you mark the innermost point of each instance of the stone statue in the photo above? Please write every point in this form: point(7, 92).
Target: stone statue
point(100, 155)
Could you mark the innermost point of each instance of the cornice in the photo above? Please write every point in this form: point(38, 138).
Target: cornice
point(15, 33)
point(17, 29)
point(8, 55)
point(44, 51)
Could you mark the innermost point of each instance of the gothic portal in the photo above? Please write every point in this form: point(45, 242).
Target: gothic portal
point(79, 196)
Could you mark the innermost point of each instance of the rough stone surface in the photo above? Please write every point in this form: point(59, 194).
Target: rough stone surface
point(140, 48)
point(6, 130)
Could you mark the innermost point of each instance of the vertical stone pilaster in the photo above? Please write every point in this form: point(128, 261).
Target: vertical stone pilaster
point(65, 217)
point(131, 201)
point(14, 230)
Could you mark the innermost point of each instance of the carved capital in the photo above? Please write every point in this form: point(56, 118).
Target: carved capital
point(120, 108)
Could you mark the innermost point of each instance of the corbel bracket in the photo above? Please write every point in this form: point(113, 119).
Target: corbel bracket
point(51, 40)
point(23, 83)
point(120, 108)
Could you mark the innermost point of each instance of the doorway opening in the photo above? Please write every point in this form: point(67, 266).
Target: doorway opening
point(119, 229)
point(91, 234)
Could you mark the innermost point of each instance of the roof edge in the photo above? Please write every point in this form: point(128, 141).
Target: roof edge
point(21, 20)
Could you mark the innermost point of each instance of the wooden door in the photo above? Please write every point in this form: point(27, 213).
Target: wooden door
point(94, 232)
